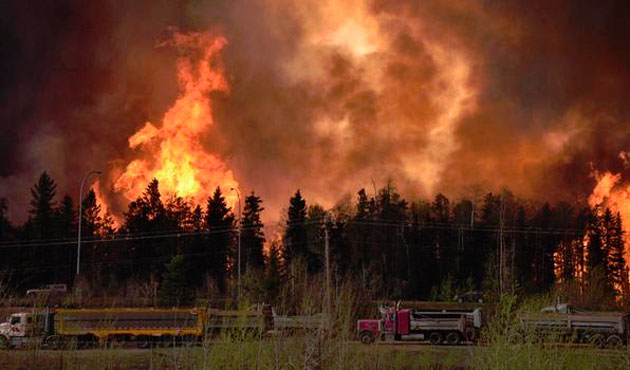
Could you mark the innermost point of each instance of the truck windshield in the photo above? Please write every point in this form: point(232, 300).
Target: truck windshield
point(15, 320)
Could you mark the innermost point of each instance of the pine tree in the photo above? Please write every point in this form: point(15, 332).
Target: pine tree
point(6, 234)
point(90, 215)
point(66, 216)
point(274, 272)
point(176, 289)
point(295, 237)
point(616, 261)
point(147, 215)
point(66, 227)
point(42, 206)
point(252, 235)
point(220, 226)
point(41, 225)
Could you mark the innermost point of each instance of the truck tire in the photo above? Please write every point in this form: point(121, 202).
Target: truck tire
point(597, 340)
point(614, 342)
point(453, 338)
point(366, 337)
point(54, 342)
point(4, 343)
point(143, 341)
point(435, 338)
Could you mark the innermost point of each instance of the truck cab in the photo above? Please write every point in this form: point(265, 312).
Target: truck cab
point(22, 328)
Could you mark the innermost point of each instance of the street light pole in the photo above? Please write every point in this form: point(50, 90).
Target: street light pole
point(87, 175)
point(240, 226)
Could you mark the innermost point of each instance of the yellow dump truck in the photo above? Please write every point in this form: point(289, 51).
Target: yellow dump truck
point(90, 327)
point(62, 328)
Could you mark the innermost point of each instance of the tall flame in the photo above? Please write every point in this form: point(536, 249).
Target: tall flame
point(172, 152)
point(609, 192)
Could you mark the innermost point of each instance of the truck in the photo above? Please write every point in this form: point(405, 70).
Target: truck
point(61, 328)
point(565, 323)
point(450, 327)
point(80, 328)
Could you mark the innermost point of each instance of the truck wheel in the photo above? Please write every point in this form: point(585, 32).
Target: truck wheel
point(598, 340)
point(453, 338)
point(366, 337)
point(614, 341)
point(435, 338)
point(143, 341)
point(4, 343)
point(54, 342)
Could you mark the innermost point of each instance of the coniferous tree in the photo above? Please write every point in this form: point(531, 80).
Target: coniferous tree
point(147, 215)
point(220, 226)
point(6, 233)
point(42, 207)
point(273, 272)
point(66, 227)
point(175, 289)
point(41, 226)
point(361, 234)
point(295, 237)
point(252, 235)
point(90, 216)
point(616, 260)
point(545, 245)
point(196, 251)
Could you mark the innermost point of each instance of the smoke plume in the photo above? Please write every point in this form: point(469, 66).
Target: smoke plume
point(325, 96)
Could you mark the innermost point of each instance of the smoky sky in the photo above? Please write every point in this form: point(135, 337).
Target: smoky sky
point(324, 96)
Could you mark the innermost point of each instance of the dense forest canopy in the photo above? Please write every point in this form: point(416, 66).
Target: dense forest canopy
point(391, 247)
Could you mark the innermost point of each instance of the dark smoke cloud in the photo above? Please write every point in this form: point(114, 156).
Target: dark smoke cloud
point(308, 109)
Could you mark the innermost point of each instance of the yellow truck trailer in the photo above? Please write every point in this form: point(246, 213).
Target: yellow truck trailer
point(61, 328)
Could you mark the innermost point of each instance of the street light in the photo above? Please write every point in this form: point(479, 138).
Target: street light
point(87, 175)
point(238, 193)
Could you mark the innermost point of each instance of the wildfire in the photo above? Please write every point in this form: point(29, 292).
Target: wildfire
point(172, 152)
point(610, 193)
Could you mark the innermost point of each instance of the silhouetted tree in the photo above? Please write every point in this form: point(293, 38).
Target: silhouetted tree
point(42, 207)
point(220, 226)
point(295, 235)
point(175, 289)
point(252, 235)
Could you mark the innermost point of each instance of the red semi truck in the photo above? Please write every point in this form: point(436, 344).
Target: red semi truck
point(436, 326)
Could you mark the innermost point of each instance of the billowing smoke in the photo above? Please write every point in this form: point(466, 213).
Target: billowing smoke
point(326, 96)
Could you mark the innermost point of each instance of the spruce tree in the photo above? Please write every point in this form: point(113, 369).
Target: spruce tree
point(221, 232)
point(175, 289)
point(295, 236)
point(274, 273)
point(66, 227)
point(147, 215)
point(42, 207)
point(616, 260)
point(252, 235)
point(41, 226)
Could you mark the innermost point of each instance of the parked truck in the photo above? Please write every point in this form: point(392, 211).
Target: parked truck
point(565, 323)
point(436, 326)
point(61, 328)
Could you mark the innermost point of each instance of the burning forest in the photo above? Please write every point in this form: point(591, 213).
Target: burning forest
point(419, 149)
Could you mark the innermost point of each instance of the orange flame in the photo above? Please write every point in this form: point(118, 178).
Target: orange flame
point(173, 152)
point(609, 193)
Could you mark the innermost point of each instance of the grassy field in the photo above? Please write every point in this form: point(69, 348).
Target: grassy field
point(313, 352)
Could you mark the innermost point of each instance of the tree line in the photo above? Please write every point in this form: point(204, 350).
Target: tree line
point(388, 246)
